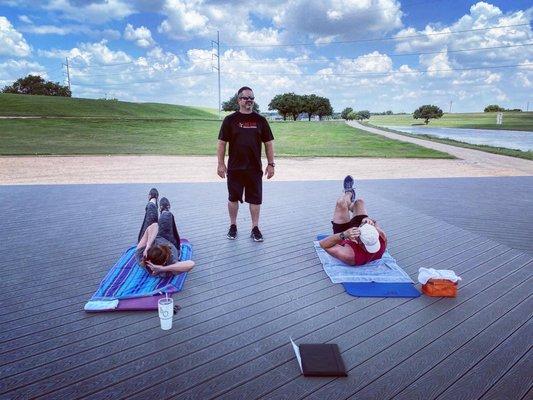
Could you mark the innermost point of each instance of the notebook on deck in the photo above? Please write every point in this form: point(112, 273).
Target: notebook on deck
point(320, 359)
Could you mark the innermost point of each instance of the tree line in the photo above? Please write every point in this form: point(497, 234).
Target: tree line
point(291, 105)
point(36, 85)
point(497, 108)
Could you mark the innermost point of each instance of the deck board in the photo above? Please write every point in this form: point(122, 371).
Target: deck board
point(243, 300)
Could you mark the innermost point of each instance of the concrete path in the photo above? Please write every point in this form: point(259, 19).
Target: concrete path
point(516, 166)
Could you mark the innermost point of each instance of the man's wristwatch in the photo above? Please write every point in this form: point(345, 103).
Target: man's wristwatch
point(342, 236)
point(271, 164)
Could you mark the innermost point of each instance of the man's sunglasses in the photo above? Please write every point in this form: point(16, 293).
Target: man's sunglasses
point(246, 98)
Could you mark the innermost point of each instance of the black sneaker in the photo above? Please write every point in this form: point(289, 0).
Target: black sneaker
point(256, 234)
point(153, 194)
point(232, 232)
point(164, 204)
point(348, 186)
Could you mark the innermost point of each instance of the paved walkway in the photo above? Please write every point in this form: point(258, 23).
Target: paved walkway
point(515, 166)
point(160, 169)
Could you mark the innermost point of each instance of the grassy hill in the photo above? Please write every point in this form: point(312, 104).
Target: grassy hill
point(83, 126)
point(522, 121)
point(49, 106)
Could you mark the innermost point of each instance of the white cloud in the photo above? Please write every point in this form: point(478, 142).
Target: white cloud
point(374, 62)
point(183, 20)
point(25, 19)
point(65, 30)
point(11, 70)
point(141, 36)
point(346, 19)
point(186, 19)
point(96, 12)
point(437, 65)
point(89, 54)
point(12, 43)
point(482, 15)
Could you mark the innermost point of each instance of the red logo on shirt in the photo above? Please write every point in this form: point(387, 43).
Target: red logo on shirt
point(248, 125)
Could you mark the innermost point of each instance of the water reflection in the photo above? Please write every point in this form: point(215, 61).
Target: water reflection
point(521, 140)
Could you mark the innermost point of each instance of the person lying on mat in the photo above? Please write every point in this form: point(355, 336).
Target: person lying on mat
point(357, 239)
point(159, 241)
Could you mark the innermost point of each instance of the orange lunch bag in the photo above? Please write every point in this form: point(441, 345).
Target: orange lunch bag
point(440, 288)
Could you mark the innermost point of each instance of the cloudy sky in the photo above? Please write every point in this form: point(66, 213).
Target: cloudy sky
point(365, 54)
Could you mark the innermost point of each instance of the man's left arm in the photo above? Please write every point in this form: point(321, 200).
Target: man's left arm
point(269, 150)
point(268, 139)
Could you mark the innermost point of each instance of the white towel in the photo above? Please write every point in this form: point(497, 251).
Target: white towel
point(425, 274)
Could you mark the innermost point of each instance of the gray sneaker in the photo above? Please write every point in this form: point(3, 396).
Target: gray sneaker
point(348, 186)
point(164, 204)
point(232, 232)
point(256, 234)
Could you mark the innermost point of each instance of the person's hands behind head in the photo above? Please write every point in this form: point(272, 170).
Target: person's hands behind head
point(368, 221)
point(153, 268)
point(352, 234)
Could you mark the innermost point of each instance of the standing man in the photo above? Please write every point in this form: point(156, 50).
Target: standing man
point(245, 130)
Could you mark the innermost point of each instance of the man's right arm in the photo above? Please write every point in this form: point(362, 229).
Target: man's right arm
point(221, 154)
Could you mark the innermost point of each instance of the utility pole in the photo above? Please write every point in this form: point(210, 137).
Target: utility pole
point(218, 70)
point(68, 74)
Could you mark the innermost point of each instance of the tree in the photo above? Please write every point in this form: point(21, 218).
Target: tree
point(427, 112)
point(364, 114)
point(287, 104)
point(324, 108)
point(351, 116)
point(493, 108)
point(346, 112)
point(36, 85)
point(316, 105)
point(233, 105)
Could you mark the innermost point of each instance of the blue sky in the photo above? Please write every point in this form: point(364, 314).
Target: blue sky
point(364, 54)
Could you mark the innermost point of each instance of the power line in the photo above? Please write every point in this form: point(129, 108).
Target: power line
point(102, 65)
point(355, 75)
point(377, 39)
point(135, 72)
point(271, 60)
point(137, 82)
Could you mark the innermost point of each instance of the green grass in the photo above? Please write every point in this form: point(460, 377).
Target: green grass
point(528, 155)
point(522, 121)
point(49, 106)
point(59, 136)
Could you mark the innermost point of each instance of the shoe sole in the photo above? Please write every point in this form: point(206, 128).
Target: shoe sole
point(231, 237)
point(350, 186)
point(256, 240)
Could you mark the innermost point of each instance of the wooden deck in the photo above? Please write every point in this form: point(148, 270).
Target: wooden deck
point(244, 300)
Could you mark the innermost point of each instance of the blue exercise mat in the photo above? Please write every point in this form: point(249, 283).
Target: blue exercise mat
point(379, 278)
point(376, 289)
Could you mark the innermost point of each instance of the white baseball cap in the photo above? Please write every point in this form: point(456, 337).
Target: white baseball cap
point(370, 238)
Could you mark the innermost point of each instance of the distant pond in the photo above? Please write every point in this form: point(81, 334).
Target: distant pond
point(521, 140)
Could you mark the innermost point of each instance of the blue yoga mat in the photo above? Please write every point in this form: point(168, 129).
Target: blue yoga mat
point(379, 278)
point(375, 289)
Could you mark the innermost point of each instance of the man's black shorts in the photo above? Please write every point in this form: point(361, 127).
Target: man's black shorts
point(248, 181)
point(355, 222)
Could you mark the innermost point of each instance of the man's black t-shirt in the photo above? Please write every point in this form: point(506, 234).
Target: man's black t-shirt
point(245, 133)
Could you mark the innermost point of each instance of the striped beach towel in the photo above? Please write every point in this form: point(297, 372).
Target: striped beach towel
point(127, 280)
